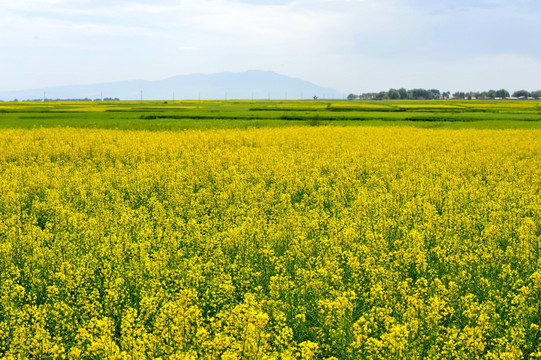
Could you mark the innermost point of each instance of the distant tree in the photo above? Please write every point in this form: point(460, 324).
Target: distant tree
point(502, 93)
point(536, 94)
point(410, 95)
point(393, 94)
point(434, 94)
point(368, 96)
point(491, 94)
point(521, 93)
point(381, 95)
point(421, 94)
point(403, 93)
point(352, 97)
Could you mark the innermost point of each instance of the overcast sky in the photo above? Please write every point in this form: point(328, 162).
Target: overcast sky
point(350, 45)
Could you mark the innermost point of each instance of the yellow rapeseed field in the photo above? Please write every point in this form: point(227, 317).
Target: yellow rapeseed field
point(289, 243)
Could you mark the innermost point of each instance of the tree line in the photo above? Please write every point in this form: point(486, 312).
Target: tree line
point(430, 94)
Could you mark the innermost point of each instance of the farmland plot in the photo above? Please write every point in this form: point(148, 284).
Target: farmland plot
point(313, 242)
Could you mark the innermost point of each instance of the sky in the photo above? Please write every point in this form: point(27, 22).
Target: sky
point(353, 46)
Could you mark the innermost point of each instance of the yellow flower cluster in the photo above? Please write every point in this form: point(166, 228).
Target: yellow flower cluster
point(289, 243)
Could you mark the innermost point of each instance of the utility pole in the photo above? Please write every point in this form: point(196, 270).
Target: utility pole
point(141, 96)
point(44, 96)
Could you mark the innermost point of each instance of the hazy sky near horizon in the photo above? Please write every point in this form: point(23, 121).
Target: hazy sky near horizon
point(350, 45)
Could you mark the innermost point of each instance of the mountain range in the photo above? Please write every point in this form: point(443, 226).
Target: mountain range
point(253, 84)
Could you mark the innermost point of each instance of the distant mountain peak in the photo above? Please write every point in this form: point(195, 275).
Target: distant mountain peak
point(250, 84)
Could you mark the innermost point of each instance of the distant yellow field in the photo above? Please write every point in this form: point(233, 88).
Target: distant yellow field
point(288, 243)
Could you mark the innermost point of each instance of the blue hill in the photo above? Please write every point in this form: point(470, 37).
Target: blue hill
point(254, 84)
